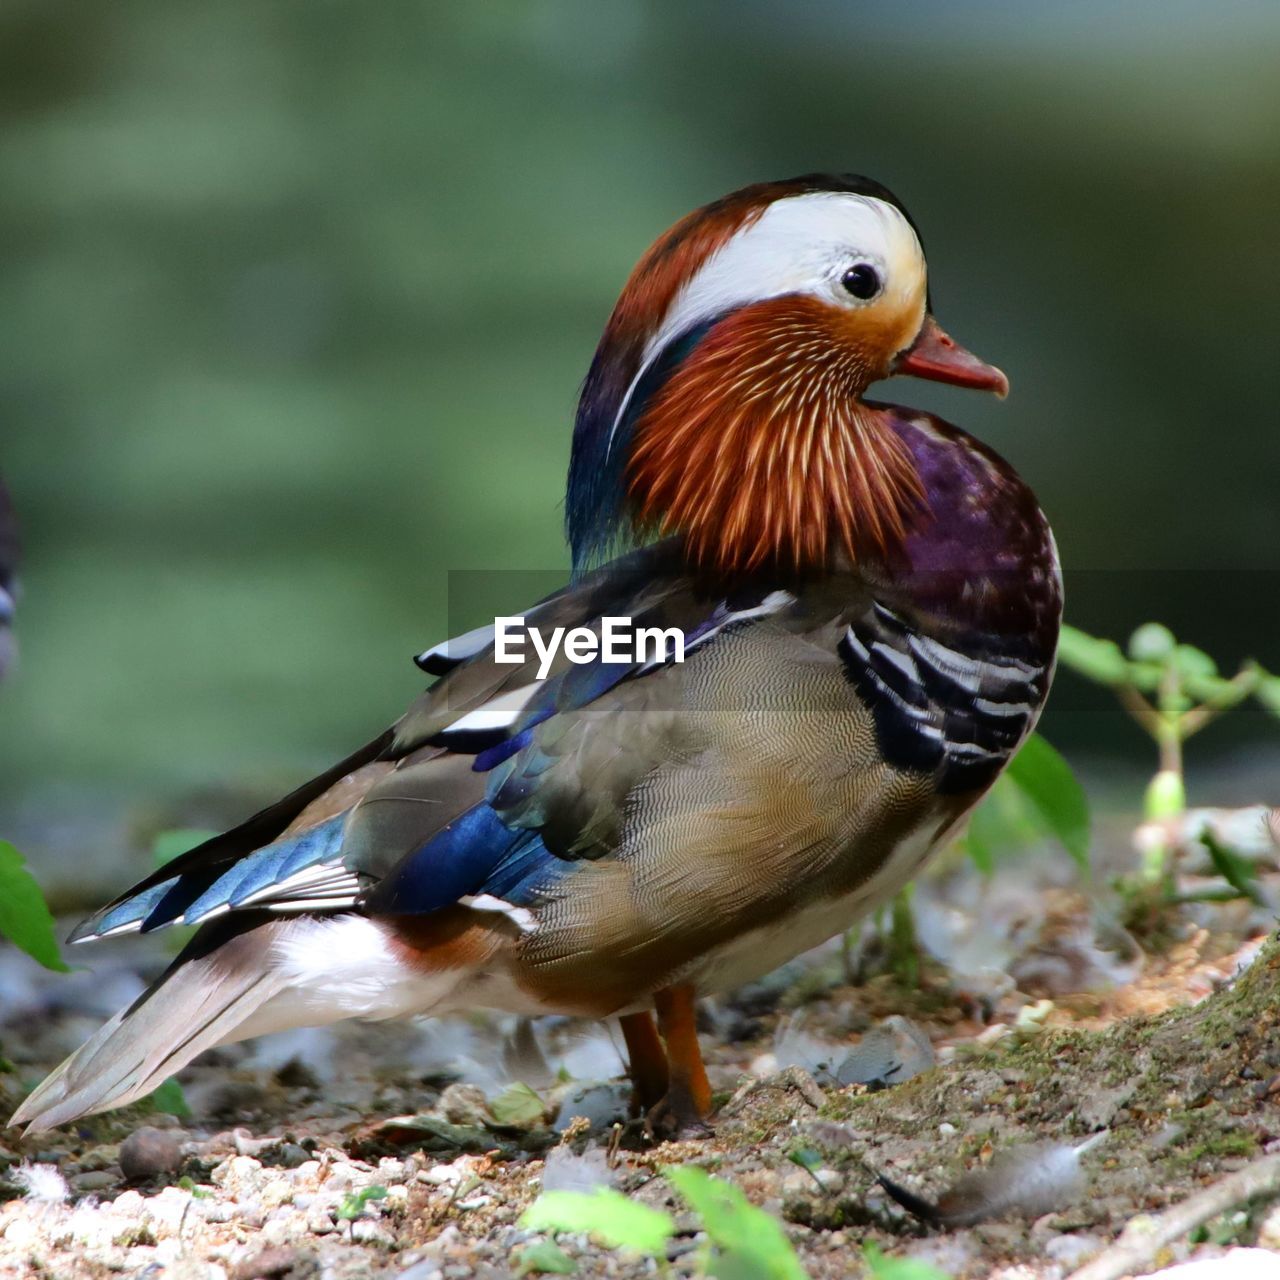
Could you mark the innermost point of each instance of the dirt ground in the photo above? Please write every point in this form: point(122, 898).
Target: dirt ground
point(1078, 1076)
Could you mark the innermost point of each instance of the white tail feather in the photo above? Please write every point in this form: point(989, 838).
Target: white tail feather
point(289, 972)
point(197, 1005)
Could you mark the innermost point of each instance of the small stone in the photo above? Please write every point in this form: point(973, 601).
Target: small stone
point(464, 1104)
point(831, 1136)
point(1269, 1232)
point(183, 1268)
point(98, 1158)
point(1099, 1107)
point(274, 1263)
point(130, 1203)
point(149, 1153)
point(295, 1074)
point(97, 1180)
point(1074, 1249)
point(426, 1270)
point(292, 1156)
point(440, 1175)
point(240, 1175)
point(369, 1231)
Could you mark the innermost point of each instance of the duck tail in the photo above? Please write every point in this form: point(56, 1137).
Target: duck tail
point(208, 996)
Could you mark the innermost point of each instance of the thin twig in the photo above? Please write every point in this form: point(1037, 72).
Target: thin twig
point(1239, 687)
point(1144, 1237)
point(1139, 708)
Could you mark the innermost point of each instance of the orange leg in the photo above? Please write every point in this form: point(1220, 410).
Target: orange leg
point(688, 1102)
point(648, 1059)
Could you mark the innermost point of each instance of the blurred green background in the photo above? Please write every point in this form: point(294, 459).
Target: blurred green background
point(297, 296)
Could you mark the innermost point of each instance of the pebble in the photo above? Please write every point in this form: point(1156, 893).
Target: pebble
point(149, 1153)
point(96, 1180)
point(370, 1231)
point(267, 1264)
point(464, 1104)
point(441, 1175)
point(1073, 1249)
point(238, 1175)
point(1269, 1231)
point(422, 1271)
point(98, 1158)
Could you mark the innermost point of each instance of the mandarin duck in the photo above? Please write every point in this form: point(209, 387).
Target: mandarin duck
point(8, 576)
point(869, 601)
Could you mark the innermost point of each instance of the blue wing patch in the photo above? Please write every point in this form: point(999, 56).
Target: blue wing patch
point(476, 854)
point(259, 878)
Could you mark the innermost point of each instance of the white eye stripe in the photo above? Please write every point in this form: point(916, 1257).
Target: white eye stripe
point(800, 244)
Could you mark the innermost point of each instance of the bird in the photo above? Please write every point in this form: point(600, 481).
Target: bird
point(9, 549)
point(868, 599)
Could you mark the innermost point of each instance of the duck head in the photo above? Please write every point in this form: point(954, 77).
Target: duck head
point(724, 401)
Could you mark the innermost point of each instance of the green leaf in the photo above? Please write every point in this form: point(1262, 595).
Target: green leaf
point(883, 1268)
point(1268, 693)
point(1094, 658)
point(1147, 676)
point(172, 844)
point(806, 1157)
point(1192, 663)
point(545, 1258)
point(1216, 689)
point(1152, 642)
point(1048, 782)
point(605, 1214)
point(24, 915)
point(1002, 824)
point(748, 1243)
point(353, 1203)
point(1238, 872)
point(517, 1107)
point(977, 846)
point(169, 1099)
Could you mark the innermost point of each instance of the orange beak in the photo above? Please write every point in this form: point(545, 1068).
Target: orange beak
point(940, 358)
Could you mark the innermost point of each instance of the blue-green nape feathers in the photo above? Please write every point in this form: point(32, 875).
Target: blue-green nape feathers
point(596, 497)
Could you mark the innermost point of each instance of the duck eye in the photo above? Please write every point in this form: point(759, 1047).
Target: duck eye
point(862, 281)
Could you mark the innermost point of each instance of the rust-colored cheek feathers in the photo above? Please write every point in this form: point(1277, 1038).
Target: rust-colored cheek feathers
point(759, 451)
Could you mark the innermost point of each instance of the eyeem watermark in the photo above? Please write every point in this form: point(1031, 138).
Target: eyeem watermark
point(618, 640)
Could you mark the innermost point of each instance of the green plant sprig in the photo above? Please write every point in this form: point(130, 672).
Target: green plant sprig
point(1172, 691)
